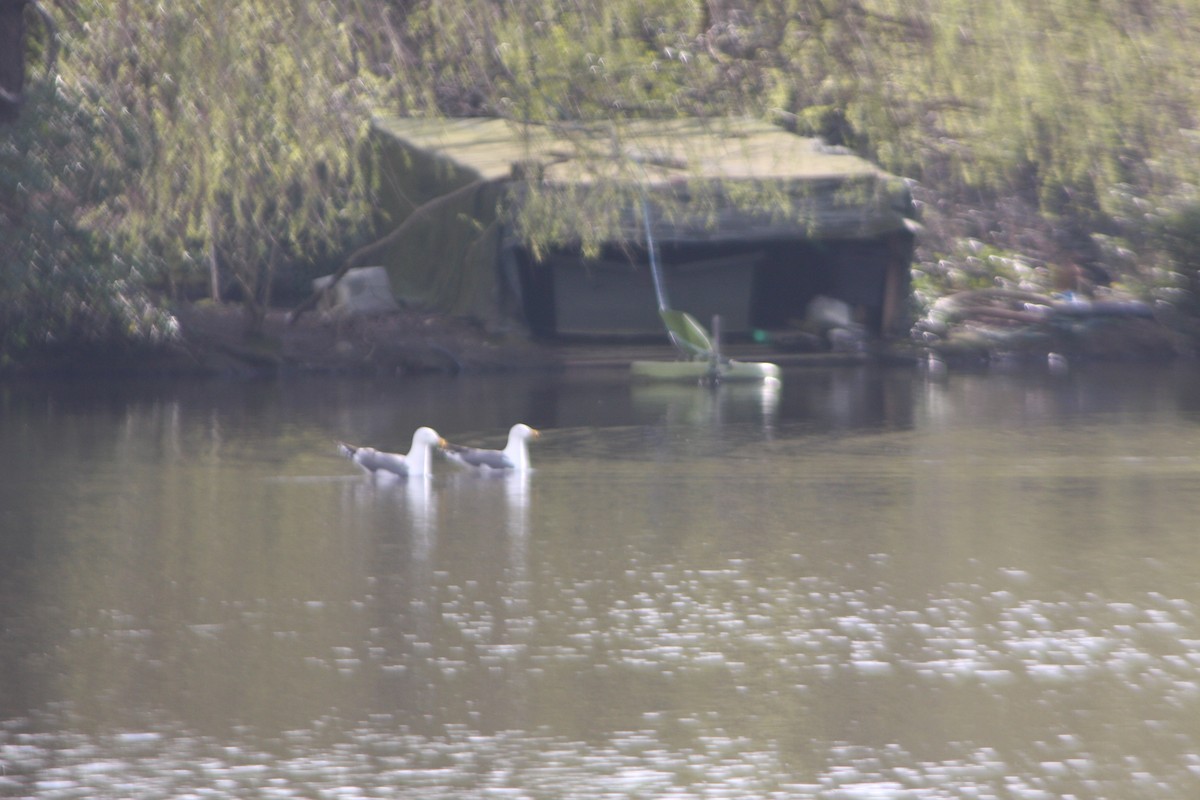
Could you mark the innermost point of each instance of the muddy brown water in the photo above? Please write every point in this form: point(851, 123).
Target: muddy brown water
point(858, 584)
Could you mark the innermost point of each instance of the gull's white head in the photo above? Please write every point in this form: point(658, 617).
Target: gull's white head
point(516, 449)
point(420, 457)
point(522, 431)
point(427, 436)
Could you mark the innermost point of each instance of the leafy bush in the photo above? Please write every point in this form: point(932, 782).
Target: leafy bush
point(59, 284)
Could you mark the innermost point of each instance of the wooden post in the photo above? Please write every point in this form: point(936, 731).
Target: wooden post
point(891, 289)
point(896, 285)
point(214, 269)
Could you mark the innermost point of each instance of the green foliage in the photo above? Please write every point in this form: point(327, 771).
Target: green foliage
point(1176, 234)
point(1181, 237)
point(1061, 99)
point(973, 266)
point(177, 137)
point(58, 285)
point(1051, 99)
point(239, 128)
point(187, 134)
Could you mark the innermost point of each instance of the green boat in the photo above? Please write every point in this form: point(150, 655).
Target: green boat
point(701, 360)
point(730, 371)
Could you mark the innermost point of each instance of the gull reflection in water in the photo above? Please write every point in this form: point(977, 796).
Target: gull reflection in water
point(421, 504)
point(492, 511)
point(493, 506)
point(484, 493)
point(406, 505)
point(516, 494)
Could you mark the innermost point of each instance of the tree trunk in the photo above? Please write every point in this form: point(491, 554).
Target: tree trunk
point(12, 58)
point(214, 268)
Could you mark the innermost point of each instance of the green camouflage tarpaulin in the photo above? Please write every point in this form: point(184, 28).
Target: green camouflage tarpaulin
point(706, 181)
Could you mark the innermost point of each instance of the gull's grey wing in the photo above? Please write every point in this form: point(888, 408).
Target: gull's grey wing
point(474, 457)
point(374, 460)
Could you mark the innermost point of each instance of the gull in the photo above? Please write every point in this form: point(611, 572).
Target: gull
point(395, 465)
point(514, 456)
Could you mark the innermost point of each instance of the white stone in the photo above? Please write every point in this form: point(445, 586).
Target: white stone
point(361, 291)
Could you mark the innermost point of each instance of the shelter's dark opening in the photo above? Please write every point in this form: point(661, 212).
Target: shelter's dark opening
point(761, 285)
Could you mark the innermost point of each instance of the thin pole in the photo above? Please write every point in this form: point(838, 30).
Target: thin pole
point(660, 289)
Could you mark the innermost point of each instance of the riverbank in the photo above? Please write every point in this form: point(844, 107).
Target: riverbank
point(211, 340)
point(415, 342)
point(398, 343)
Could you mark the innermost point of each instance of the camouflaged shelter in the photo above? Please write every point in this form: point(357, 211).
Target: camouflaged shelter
point(750, 222)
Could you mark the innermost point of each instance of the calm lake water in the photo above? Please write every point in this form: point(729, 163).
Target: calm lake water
point(863, 584)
